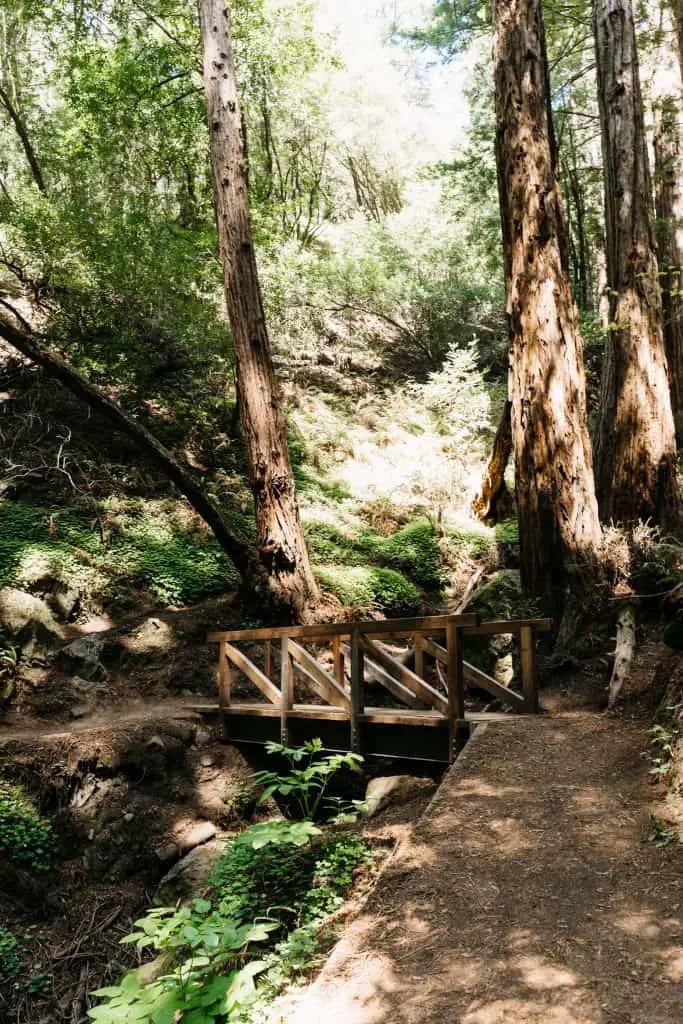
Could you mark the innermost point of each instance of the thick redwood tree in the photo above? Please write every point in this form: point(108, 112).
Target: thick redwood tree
point(282, 545)
point(558, 514)
point(668, 150)
point(635, 457)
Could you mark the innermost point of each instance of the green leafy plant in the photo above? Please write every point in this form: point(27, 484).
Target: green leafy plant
point(25, 837)
point(309, 776)
point(661, 834)
point(10, 964)
point(274, 877)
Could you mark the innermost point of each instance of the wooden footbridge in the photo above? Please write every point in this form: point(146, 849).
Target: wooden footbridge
point(422, 683)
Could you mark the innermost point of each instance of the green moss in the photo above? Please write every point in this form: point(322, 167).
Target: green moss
point(412, 550)
point(105, 551)
point(368, 585)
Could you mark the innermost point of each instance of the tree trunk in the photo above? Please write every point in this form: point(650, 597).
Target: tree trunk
point(282, 546)
point(668, 149)
point(635, 457)
point(32, 347)
point(558, 516)
point(493, 497)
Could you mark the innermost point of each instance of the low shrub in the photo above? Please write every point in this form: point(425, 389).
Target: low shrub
point(26, 839)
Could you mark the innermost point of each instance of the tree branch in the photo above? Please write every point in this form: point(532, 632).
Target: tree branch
point(22, 132)
point(27, 342)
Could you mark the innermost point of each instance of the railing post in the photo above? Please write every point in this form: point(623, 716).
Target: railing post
point(456, 689)
point(224, 676)
point(338, 659)
point(527, 644)
point(419, 656)
point(286, 689)
point(268, 659)
point(357, 689)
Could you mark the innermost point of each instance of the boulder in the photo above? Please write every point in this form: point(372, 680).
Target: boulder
point(394, 789)
point(189, 876)
point(500, 598)
point(82, 658)
point(28, 623)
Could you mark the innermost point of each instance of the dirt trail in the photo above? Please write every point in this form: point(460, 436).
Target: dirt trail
point(136, 713)
point(526, 895)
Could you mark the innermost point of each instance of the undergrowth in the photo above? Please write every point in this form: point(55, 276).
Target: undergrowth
point(26, 839)
point(112, 550)
point(661, 753)
point(260, 923)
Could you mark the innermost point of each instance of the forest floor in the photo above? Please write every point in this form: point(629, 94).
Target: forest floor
point(527, 894)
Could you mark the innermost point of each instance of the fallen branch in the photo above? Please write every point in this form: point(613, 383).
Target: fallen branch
point(493, 492)
point(31, 346)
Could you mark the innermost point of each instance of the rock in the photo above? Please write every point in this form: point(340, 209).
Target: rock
point(189, 876)
point(155, 741)
point(81, 710)
point(82, 656)
point(394, 789)
point(206, 760)
point(673, 634)
point(167, 852)
point(197, 836)
point(65, 602)
point(28, 622)
point(202, 736)
point(500, 598)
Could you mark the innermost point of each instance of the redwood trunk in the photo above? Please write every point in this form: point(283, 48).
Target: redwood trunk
point(635, 457)
point(668, 149)
point(281, 542)
point(558, 516)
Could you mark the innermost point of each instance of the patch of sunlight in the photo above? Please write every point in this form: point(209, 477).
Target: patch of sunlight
point(512, 1011)
point(541, 975)
point(153, 635)
point(673, 963)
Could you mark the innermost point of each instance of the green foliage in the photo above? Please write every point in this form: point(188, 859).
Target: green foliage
point(661, 834)
point(26, 839)
point(272, 877)
point(363, 587)
point(666, 734)
point(307, 781)
point(116, 546)
point(10, 963)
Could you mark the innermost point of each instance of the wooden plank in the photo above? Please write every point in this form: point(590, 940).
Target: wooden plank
point(404, 675)
point(418, 647)
point(475, 676)
point(511, 626)
point(268, 659)
point(499, 717)
point(286, 688)
point(224, 677)
point(527, 643)
point(325, 630)
point(402, 716)
point(357, 688)
point(253, 673)
point(325, 684)
point(456, 686)
point(376, 674)
point(338, 661)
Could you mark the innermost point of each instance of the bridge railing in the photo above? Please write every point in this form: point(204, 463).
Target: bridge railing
point(357, 655)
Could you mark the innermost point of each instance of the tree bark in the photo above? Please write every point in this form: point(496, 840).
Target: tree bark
point(558, 516)
point(668, 150)
point(635, 456)
point(24, 138)
point(282, 546)
point(494, 496)
point(31, 346)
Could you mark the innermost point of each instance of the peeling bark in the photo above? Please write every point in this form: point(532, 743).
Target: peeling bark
point(624, 651)
point(494, 497)
point(635, 453)
point(558, 516)
point(282, 546)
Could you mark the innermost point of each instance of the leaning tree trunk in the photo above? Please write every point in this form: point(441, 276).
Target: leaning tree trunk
point(558, 516)
point(635, 457)
point(668, 149)
point(280, 537)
